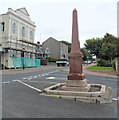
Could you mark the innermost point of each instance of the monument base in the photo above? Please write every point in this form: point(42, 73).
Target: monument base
point(76, 83)
point(75, 76)
point(96, 94)
point(69, 88)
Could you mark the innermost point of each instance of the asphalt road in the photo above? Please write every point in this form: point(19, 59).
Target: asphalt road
point(20, 101)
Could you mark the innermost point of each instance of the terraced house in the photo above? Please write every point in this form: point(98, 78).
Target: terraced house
point(17, 47)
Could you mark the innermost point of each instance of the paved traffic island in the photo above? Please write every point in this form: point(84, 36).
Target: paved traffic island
point(97, 93)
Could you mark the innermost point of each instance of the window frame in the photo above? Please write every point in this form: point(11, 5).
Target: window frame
point(23, 32)
point(14, 28)
point(31, 35)
point(2, 24)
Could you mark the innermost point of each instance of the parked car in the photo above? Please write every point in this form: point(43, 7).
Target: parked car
point(87, 62)
point(62, 62)
point(94, 62)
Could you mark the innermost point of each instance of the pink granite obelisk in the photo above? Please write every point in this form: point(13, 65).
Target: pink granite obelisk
point(75, 77)
point(76, 86)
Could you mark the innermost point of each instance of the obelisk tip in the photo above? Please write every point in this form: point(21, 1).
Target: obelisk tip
point(75, 9)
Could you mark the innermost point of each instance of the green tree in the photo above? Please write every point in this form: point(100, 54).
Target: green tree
point(109, 49)
point(68, 44)
point(86, 54)
point(109, 38)
point(93, 46)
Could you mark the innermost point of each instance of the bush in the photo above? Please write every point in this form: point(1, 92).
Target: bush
point(50, 59)
point(104, 63)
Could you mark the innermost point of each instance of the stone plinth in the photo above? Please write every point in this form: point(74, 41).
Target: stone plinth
point(76, 83)
point(80, 85)
point(81, 89)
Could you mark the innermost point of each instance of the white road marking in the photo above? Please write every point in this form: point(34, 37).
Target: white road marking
point(29, 86)
point(50, 78)
point(6, 82)
point(14, 80)
point(24, 78)
point(43, 75)
point(51, 72)
point(39, 75)
point(115, 99)
point(42, 82)
point(29, 78)
point(61, 78)
point(35, 77)
point(46, 74)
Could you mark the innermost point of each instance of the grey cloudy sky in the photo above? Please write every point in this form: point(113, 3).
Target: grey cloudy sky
point(53, 18)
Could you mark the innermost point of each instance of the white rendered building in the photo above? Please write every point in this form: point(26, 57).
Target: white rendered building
point(16, 36)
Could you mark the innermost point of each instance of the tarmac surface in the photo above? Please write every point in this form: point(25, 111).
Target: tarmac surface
point(22, 100)
point(108, 73)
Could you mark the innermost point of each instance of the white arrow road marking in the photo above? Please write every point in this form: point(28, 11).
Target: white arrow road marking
point(29, 86)
point(50, 78)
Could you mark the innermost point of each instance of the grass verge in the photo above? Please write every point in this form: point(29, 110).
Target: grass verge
point(95, 67)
